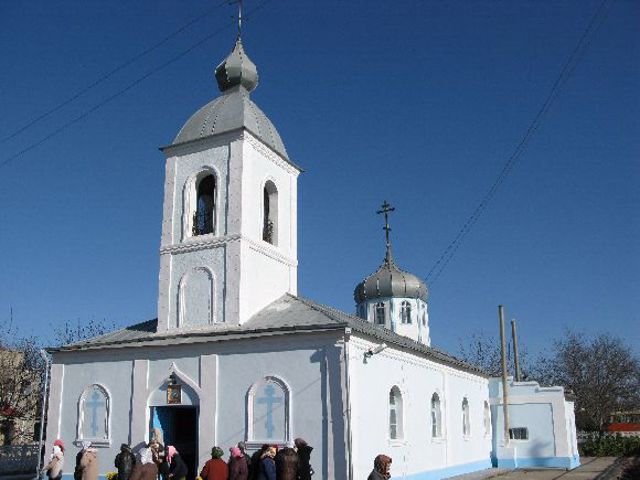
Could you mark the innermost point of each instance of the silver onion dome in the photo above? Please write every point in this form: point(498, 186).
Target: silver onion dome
point(390, 281)
point(237, 69)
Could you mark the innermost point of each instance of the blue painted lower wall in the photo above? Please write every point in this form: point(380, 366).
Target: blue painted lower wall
point(548, 462)
point(69, 476)
point(447, 472)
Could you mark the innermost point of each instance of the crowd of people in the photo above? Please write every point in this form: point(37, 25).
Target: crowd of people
point(157, 462)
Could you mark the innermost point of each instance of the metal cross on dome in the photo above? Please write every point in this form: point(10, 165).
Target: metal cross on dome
point(239, 2)
point(386, 209)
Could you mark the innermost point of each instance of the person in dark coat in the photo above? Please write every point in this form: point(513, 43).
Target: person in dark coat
point(287, 464)
point(216, 468)
point(381, 467)
point(177, 469)
point(124, 462)
point(238, 467)
point(267, 465)
point(146, 469)
point(304, 459)
point(254, 464)
point(243, 448)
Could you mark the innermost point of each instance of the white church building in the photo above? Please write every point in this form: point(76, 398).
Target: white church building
point(236, 355)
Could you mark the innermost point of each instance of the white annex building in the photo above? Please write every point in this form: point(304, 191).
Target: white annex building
point(236, 355)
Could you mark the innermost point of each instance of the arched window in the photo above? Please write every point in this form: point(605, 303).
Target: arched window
point(466, 423)
point(395, 414)
point(405, 312)
point(424, 319)
point(380, 313)
point(268, 410)
point(93, 415)
point(204, 217)
point(270, 213)
point(436, 416)
point(487, 420)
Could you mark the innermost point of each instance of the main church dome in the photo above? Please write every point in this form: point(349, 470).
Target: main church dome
point(389, 281)
point(236, 76)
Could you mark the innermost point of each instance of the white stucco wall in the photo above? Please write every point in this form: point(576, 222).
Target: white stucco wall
point(549, 419)
point(216, 376)
point(417, 330)
point(417, 378)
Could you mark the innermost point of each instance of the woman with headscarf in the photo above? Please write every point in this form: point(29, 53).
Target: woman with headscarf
point(177, 469)
point(215, 468)
point(381, 467)
point(238, 465)
point(146, 469)
point(267, 465)
point(53, 469)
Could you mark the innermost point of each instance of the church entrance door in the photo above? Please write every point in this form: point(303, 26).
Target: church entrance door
point(179, 425)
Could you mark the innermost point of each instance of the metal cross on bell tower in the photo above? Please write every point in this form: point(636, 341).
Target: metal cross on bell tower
point(239, 2)
point(386, 209)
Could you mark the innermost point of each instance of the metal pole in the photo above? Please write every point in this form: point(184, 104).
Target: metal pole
point(44, 356)
point(516, 359)
point(505, 405)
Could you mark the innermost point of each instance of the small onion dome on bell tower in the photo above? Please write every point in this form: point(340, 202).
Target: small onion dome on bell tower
point(237, 69)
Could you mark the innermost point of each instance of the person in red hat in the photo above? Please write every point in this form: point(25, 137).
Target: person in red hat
point(53, 469)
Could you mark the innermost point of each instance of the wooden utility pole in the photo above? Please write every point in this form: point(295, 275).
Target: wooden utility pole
point(516, 359)
point(505, 405)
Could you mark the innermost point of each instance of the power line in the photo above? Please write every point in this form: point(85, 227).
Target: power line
point(568, 68)
point(109, 74)
point(126, 89)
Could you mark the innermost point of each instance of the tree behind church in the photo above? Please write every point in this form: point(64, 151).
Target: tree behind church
point(603, 373)
point(21, 377)
point(81, 330)
point(483, 350)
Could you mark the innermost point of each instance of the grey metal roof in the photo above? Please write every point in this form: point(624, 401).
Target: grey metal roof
point(287, 315)
point(233, 110)
point(236, 77)
point(390, 281)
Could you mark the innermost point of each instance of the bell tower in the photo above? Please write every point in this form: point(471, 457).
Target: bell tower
point(229, 228)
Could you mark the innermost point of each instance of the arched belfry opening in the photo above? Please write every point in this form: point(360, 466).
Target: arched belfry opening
point(204, 216)
point(270, 213)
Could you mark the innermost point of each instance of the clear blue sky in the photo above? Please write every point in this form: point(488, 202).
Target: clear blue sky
point(419, 103)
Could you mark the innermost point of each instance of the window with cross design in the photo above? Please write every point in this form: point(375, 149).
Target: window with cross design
point(268, 411)
point(93, 415)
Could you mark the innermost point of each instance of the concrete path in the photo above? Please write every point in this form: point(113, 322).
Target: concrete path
point(600, 468)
